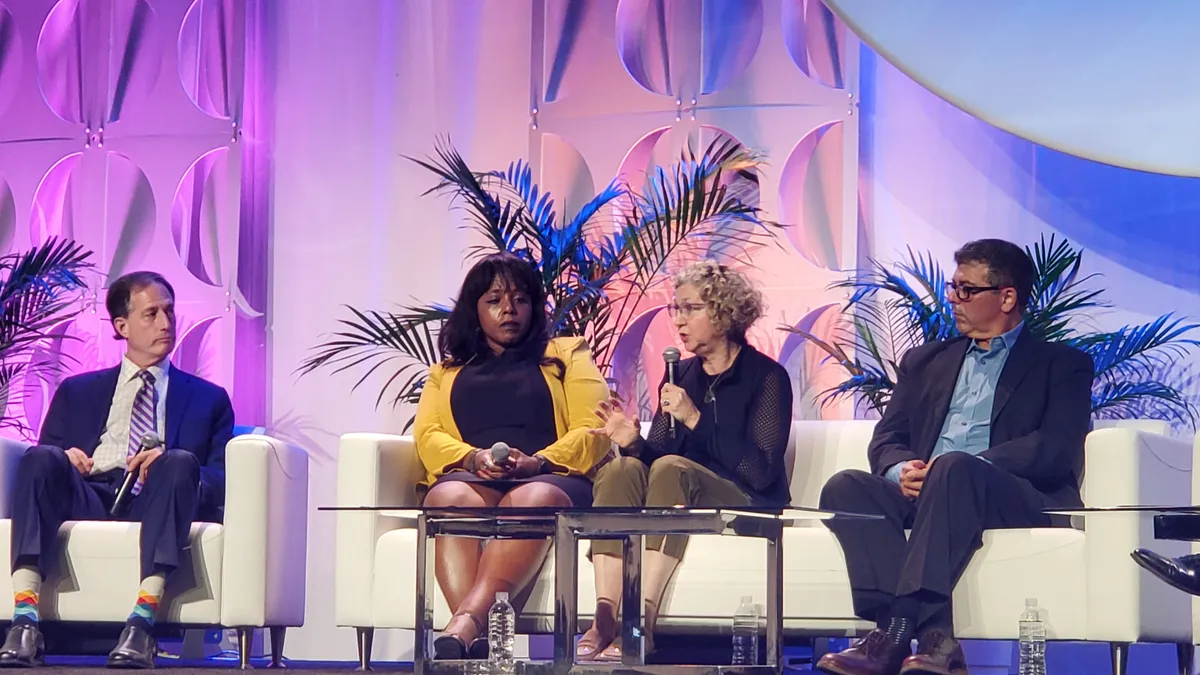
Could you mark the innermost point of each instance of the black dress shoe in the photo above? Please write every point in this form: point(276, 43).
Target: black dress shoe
point(23, 647)
point(1182, 572)
point(135, 649)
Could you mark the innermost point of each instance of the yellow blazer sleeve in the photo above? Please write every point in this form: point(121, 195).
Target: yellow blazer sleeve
point(436, 447)
point(585, 388)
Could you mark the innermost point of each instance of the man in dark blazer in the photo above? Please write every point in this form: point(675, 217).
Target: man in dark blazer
point(100, 427)
point(983, 431)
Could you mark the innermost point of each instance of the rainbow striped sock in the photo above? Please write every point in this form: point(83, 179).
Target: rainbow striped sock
point(27, 586)
point(149, 596)
point(25, 608)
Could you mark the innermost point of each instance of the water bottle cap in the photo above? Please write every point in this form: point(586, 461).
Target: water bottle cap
point(1031, 602)
point(502, 595)
point(747, 599)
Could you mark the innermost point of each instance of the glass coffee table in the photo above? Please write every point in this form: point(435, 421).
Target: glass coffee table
point(565, 527)
point(1171, 523)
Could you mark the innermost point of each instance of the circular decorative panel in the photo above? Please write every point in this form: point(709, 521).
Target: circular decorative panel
point(10, 58)
point(104, 201)
point(52, 213)
point(816, 40)
point(96, 58)
point(8, 217)
point(196, 214)
point(687, 47)
point(205, 40)
point(810, 196)
point(565, 175)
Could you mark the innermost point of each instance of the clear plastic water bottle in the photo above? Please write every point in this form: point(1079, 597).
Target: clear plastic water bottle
point(745, 633)
point(502, 633)
point(1032, 640)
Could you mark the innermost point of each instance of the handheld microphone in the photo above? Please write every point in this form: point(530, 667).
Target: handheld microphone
point(150, 440)
point(671, 359)
point(500, 452)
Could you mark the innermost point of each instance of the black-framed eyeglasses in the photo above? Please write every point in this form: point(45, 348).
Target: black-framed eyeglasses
point(965, 292)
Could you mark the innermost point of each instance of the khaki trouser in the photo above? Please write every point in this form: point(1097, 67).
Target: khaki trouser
point(671, 481)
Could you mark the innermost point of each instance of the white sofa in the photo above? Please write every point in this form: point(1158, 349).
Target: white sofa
point(1085, 582)
point(246, 573)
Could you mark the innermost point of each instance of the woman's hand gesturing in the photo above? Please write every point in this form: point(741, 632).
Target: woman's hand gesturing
point(619, 427)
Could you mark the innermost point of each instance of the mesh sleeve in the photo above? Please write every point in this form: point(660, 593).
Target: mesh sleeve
point(759, 459)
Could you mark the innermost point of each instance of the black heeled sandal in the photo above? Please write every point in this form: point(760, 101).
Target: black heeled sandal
point(450, 647)
point(479, 648)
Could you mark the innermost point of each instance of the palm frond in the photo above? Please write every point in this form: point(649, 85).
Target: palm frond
point(1058, 290)
point(40, 289)
point(1122, 399)
point(503, 222)
point(1132, 352)
point(373, 339)
point(674, 213)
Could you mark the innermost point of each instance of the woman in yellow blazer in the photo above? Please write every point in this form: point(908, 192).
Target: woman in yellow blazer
point(502, 379)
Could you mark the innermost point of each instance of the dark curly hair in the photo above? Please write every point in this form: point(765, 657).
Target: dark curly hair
point(461, 339)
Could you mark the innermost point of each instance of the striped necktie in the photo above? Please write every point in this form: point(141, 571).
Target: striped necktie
point(144, 419)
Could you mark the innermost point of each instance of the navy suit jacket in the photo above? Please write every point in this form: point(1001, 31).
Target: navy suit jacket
point(199, 420)
point(1040, 415)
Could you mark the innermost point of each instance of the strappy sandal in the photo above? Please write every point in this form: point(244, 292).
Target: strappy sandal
point(590, 645)
point(613, 654)
point(450, 647)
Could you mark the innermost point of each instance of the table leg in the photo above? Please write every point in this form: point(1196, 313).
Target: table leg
point(631, 601)
point(775, 600)
point(566, 595)
point(424, 609)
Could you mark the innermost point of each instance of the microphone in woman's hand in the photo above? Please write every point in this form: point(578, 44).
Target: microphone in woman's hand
point(671, 359)
point(500, 452)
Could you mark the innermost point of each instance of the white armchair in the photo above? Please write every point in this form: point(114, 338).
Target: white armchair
point(246, 573)
point(1084, 580)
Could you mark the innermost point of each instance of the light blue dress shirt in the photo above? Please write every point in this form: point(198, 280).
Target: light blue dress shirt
point(968, 425)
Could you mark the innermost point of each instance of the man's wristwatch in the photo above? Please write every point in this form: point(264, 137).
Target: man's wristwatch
point(543, 464)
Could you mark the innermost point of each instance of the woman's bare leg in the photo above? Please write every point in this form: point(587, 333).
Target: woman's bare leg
point(657, 569)
point(456, 559)
point(509, 564)
point(605, 628)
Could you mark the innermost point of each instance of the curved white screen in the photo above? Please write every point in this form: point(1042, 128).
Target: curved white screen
point(1110, 80)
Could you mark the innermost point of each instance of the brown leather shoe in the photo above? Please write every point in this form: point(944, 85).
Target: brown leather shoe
point(872, 655)
point(938, 653)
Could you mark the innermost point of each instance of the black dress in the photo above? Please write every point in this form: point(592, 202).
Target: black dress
point(505, 398)
point(745, 421)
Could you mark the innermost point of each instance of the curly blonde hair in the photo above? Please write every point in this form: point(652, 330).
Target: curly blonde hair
point(734, 304)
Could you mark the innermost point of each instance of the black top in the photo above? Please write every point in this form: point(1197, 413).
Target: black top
point(743, 429)
point(504, 398)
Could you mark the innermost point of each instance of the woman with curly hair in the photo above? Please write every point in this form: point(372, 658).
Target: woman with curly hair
point(732, 407)
point(502, 379)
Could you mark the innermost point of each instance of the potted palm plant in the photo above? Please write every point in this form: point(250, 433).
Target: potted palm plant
point(597, 264)
point(894, 308)
point(39, 289)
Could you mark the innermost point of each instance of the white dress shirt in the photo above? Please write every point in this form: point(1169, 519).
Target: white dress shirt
point(113, 451)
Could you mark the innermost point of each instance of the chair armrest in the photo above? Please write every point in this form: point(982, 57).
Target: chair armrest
point(1126, 466)
point(266, 532)
point(372, 470)
point(11, 451)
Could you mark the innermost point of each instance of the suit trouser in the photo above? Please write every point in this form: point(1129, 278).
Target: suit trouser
point(49, 490)
point(671, 480)
point(962, 496)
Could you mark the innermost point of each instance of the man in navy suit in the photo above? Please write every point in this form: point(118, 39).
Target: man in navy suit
point(983, 431)
point(97, 430)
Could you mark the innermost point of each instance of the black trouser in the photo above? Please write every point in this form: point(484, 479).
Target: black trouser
point(49, 491)
point(962, 496)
